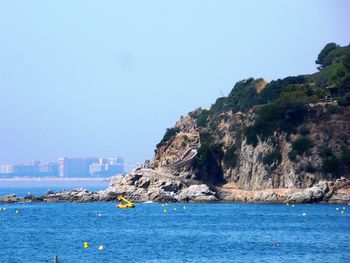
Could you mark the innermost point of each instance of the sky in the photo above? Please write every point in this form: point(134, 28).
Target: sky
point(106, 78)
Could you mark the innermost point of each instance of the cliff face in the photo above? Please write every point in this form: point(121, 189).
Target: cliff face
point(283, 141)
point(268, 164)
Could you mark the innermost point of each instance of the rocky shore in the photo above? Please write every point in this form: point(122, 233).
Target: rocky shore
point(151, 185)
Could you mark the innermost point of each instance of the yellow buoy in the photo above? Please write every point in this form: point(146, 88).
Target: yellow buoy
point(101, 247)
point(86, 245)
point(164, 210)
point(17, 211)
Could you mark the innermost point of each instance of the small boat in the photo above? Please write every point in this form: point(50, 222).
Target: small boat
point(125, 203)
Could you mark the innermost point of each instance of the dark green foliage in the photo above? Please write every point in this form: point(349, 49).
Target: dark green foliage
point(251, 135)
point(202, 118)
point(230, 157)
point(310, 168)
point(284, 114)
point(346, 60)
point(345, 100)
point(324, 59)
point(302, 144)
point(273, 157)
point(213, 124)
point(331, 165)
point(292, 156)
point(170, 132)
point(326, 152)
point(331, 109)
point(243, 95)
point(304, 130)
point(208, 163)
point(346, 156)
point(274, 89)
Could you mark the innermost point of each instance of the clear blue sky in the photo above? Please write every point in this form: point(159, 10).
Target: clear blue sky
point(105, 78)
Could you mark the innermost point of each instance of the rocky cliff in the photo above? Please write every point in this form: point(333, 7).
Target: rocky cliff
point(286, 140)
point(265, 141)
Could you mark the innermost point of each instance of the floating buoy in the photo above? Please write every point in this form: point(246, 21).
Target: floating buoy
point(344, 208)
point(162, 204)
point(304, 214)
point(101, 247)
point(164, 210)
point(166, 204)
point(98, 214)
point(287, 204)
point(337, 209)
point(174, 208)
point(292, 205)
point(86, 245)
point(17, 211)
point(342, 211)
point(184, 207)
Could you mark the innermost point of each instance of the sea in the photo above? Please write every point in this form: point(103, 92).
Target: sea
point(174, 232)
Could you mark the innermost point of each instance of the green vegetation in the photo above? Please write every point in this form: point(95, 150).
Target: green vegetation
point(273, 157)
point(346, 157)
point(280, 106)
point(292, 156)
point(230, 157)
point(331, 165)
point(208, 163)
point(326, 152)
point(324, 59)
point(304, 130)
point(310, 168)
point(302, 145)
point(169, 133)
point(284, 115)
point(283, 104)
point(202, 118)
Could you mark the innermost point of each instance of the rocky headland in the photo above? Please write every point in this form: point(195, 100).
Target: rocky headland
point(284, 141)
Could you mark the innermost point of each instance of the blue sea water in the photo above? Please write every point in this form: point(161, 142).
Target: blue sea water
point(191, 233)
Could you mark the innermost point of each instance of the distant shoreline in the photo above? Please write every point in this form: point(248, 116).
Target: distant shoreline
point(55, 179)
point(49, 182)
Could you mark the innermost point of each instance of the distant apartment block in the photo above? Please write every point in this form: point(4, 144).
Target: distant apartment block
point(107, 167)
point(74, 167)
point(48, 169)
point(32, 168)
point(66, 167)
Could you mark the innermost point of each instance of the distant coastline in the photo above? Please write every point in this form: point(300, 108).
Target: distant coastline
point(54, 181)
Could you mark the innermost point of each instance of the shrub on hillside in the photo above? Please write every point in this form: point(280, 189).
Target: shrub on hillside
point(302, 145)
point(331, 164)
point(230, 158)
point(273, 157)
point(346, 156)
point(170, 132)
point(201, 120)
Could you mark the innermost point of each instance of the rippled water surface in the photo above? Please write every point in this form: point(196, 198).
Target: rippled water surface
point(194, 233)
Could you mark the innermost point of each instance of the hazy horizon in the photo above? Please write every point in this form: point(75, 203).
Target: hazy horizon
point(106, 78)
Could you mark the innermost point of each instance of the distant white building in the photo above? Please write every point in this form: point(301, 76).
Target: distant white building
point(106, 167)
